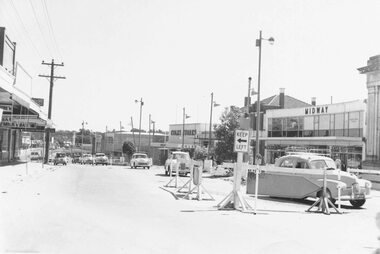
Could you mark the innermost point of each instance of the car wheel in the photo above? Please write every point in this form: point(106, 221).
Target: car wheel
point(357, 203)
point(328, 194)
point(148, 167)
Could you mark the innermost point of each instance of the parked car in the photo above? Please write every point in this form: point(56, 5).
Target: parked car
point(35, 156)
point(87, 159)
point(101, 158)
point(140, 160)
point(76, 158)
point(182, 159)
point(60, 158)
point(301, 175)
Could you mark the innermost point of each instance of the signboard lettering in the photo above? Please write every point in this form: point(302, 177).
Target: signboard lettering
point(241, 141)
point(316, 110)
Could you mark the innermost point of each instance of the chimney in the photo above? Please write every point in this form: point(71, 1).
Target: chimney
point(282, 98)
point(313, 101)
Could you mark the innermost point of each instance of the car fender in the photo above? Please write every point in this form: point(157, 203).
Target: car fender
point(333, 185)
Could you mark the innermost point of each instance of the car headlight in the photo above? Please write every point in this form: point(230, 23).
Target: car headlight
point(356, 188)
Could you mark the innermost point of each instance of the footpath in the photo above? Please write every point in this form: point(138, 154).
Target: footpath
point(18, 173)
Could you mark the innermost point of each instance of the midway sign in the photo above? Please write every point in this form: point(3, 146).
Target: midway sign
point(241, 141)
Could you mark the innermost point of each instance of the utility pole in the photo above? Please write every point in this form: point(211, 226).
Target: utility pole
point(52, 78)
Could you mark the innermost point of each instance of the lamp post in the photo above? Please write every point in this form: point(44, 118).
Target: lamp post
point(258, 44)
point(141, 104)
point(251, 91)
point(150, 122)
point(213, 104)
point(183, 127)
point(83, 123)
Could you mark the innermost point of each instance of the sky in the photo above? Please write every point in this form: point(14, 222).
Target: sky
point(174, 53)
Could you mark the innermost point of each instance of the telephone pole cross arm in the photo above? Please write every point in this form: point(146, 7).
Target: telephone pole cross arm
point(52, 78)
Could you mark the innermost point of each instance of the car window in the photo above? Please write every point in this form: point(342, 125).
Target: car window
point(141, 156)
point(318, 164)
point(301, 164)
point(181, 156)
point(287, 163)
point(60, 155)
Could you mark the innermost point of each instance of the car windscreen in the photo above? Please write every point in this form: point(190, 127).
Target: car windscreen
point(318, 164)
point(140, 156)
point(100, 155)
point(181, 156)
point(60, 155)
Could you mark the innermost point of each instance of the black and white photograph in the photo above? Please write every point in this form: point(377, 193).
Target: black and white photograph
point(189, 126)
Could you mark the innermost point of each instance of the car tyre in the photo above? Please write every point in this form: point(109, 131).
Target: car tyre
point(357, 203)
point(328, 193)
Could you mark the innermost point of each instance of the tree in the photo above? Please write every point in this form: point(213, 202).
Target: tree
point(128, 148)
point(200, 153)
point(224, 133)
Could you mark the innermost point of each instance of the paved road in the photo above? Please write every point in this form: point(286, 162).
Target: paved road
point(113, 209)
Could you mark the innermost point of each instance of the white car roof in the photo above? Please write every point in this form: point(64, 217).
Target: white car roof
point(180, 153)
point(308, 156)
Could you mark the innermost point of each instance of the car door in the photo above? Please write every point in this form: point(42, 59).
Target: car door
point(306, 182)
point(277, 181)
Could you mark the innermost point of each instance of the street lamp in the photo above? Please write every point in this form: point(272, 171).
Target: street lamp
point(185, 116)
point(251, 91)
point(150, 122)
point(258, 44)
point(83, 123)
point(141, 104)
point(213, 104)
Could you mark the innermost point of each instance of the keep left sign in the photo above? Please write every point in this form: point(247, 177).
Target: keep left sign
point(241, 141)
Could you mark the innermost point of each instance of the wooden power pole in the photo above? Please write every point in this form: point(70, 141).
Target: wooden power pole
point(51, 78)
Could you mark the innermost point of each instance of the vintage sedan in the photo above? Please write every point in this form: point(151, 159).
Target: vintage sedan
point(178, 159)
point(101, 158)
point(301, 175)
point(140, 160)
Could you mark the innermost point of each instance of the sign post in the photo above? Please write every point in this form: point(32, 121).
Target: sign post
point(241, 146)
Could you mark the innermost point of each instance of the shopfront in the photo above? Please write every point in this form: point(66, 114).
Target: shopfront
point(19, 111)
point(336, 130)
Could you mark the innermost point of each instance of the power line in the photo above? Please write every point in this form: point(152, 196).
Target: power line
point(40, 27)
point(24, 28)
point(51, 27)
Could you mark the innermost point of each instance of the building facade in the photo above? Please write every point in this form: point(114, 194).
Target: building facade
point(190, 135)
point(18, 110)
point(334, 129)
point(372, 138)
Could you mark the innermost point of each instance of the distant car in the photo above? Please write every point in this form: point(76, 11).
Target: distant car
point(140, 160)
point(101, 158)
point(35, 156)
point(182, 159)
point(76, 158)
point(301, 175)
point(87, 159)
point(60, 158)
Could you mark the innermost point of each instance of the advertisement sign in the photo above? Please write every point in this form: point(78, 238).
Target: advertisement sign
point(21, 121)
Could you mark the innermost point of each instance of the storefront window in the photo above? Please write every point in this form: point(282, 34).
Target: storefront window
point(324, 125)
point(277, 124)
point(292, 127)
point(339, 125)
point(354, 124)
point(308, 126)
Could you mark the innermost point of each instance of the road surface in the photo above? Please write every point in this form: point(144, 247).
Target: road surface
point(115, 209)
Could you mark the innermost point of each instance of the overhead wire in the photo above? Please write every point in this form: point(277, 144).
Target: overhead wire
point(51, 28)
point(25, 29)
point(40, 28)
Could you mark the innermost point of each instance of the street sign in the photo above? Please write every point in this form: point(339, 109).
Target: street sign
point(241, 141)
